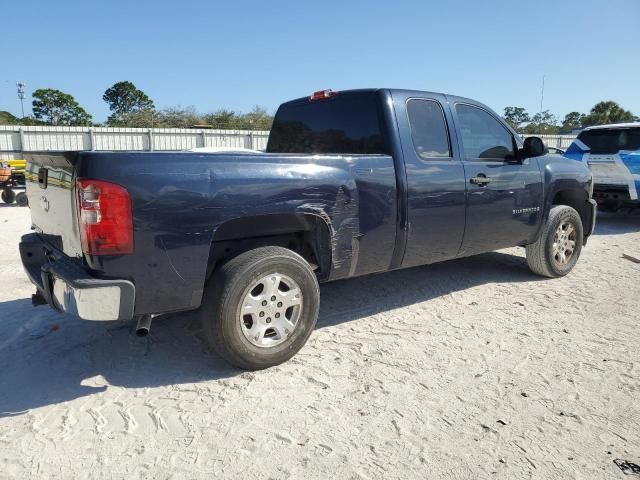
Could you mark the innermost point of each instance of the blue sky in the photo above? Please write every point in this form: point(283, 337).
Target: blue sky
point(239, 54)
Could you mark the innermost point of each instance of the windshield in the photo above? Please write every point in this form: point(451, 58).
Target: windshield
point(348, 123)
point(611, 140)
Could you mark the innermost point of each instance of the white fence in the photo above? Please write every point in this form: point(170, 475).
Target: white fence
point(558, 141)
point(15, 140)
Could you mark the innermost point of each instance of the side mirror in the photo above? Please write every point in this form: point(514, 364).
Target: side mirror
point(533, 147)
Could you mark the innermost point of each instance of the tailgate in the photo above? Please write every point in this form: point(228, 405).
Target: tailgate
point(607, 169)
point(50, 181)
point(613, 170)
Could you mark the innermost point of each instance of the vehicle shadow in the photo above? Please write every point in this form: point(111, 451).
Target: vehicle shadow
point(349, 300)
point(623, 221)
point(48, 358)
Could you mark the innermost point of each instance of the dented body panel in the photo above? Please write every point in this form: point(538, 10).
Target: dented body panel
point(180, 200)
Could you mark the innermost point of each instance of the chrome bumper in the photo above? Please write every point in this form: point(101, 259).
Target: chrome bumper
point(68, 287)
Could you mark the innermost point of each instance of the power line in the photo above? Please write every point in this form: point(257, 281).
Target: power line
point(542, 94)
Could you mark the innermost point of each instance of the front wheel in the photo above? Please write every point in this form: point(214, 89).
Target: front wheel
point(558, 248)
point(260, 307)
point(8, 195)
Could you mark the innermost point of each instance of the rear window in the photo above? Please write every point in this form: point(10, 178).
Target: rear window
point(428, 129)
point(609, 140)
point(348, 123)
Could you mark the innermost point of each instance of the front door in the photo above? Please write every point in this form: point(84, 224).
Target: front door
point(504, 194)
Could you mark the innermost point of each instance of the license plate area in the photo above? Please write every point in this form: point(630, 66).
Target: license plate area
point(43, 177)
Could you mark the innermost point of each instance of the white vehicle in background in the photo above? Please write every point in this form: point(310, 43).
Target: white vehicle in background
point(613, 155)
point(555, 151)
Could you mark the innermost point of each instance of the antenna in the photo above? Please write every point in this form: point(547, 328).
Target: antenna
point(542, 94)
point(21, 86)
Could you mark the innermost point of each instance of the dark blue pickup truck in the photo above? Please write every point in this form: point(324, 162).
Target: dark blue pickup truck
point(351, 183)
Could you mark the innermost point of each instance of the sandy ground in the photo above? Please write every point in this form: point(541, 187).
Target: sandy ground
point(468, 369)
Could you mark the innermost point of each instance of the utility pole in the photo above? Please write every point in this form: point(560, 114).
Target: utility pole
point(542, 94)
point(21, 86)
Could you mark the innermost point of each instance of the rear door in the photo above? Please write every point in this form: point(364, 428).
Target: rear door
point(504, 195)
point(435, 178)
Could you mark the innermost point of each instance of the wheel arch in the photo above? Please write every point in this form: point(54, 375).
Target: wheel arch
point(578, 199)
point(307, 234)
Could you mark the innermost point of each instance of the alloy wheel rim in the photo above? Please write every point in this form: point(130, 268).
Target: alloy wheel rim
point(270, 310)
point(564, 243)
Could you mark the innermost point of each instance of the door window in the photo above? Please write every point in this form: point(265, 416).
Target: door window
point(428, 129)
point(483, 136)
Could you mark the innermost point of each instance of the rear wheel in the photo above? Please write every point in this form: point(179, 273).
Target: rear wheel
point(260, 307)
point(21, 199)
point(8, 195)
point(558, 248)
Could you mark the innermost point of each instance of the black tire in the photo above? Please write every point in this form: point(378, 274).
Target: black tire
point(541, 257)
point(21, 199)
point(226, 291)
point(8, 195)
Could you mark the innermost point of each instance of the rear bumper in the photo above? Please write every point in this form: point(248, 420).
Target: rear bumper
point(613, 195)
point(69, 287)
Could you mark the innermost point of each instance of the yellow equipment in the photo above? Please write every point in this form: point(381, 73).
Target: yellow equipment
point(10, 178)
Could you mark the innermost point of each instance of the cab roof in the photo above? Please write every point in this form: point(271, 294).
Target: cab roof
point(400, 91)
point(614, 126)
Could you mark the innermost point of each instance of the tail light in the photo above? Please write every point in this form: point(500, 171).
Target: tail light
point(106, 223)
point(322, 95)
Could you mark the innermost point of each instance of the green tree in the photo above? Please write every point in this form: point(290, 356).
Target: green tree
point(140, 119)
point(544, 123)
point(6, 118)
point(604, 113)
point(188, 117)
point(516, 116)
point(226, 119)
point(177, 117)
point(54, 107)
point(125, 99)
point(257, 119)
point(572, 121)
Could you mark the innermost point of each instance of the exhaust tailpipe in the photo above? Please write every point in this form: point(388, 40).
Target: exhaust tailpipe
point(38, 299)
point(144, 325)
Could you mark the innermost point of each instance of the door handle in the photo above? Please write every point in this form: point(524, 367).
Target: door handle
point(480, 180)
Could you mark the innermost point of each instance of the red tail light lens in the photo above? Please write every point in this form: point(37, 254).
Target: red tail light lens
point(322, 95)
point(106, 223)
